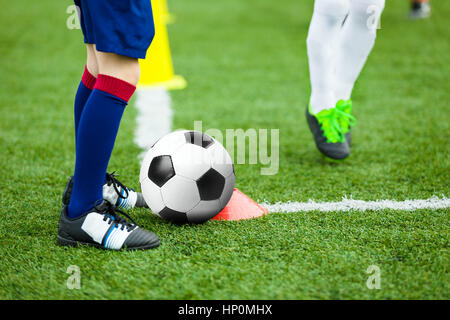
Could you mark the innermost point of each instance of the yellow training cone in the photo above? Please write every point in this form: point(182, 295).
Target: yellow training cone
point(167, 17)
point(157, 68)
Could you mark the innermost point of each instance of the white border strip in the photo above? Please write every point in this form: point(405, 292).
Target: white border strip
point(359, 205)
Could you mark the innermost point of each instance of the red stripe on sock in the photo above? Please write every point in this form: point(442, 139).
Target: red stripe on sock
point(88, 79)
point(115, 86)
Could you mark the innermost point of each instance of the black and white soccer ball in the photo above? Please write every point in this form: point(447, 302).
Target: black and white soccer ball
point(187, 176)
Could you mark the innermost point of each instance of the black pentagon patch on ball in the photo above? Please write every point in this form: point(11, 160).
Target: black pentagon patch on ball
point(210, 185)
point(173, 216)
point(199, 139)
point(161, 170)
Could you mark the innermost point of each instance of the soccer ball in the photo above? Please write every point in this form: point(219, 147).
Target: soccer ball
point(187, 176)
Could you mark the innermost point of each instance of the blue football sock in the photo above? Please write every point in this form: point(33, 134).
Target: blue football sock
point(84, 90)
point(97, 131)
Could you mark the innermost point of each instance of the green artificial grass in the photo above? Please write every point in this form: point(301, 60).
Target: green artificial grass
point(246, 66)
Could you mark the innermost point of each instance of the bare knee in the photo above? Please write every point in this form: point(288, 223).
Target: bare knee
point(122, 67)
point(91, 61)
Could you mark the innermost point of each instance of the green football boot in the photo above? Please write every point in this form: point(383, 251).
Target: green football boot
point(327, 128)
point(347, 121)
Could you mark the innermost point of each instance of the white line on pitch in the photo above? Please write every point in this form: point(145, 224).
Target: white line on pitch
point(154, 118)
point(359, 205)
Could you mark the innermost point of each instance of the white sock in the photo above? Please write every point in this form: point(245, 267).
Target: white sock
point(355, 43)
point(324, 30)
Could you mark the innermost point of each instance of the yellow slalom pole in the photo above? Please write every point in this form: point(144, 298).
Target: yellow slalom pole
point(157, 68)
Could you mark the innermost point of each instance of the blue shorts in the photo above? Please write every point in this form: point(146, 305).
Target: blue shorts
point(123, 27)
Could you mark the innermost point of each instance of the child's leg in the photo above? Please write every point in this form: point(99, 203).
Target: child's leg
point(86, 85)
point(355, 43)
point(325, 27)
point(91, 61)
point(117, 66)
point(98, 127)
